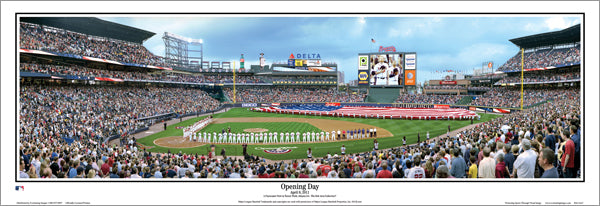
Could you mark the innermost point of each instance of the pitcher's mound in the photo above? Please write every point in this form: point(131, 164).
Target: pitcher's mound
point(256, 130)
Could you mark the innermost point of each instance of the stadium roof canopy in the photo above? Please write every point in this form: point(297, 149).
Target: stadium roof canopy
point(93, 26)
point(568, 35)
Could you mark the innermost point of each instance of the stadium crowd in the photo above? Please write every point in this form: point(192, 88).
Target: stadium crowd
point(293, 95)
point(304, 81)
point(445, 87)
point(479, 88)
point(95, 113)
point(82, 71)
point(428, 99)
point(543, 58)
point(39, 37)
point(505, 97)
point(545, 77)
point(541, 142)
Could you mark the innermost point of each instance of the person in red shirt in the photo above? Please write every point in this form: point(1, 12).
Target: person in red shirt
point(110, 161)
point(304, 174)
point(568, 158)
point(508, 137)
point(384, 173)
point(325, 169)
point(501, 168)
point(263, 175)
point(104, 169)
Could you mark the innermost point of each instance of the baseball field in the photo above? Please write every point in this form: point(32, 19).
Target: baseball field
point(389, 133)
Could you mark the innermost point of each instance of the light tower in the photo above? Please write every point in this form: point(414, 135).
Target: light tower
point(182, 51)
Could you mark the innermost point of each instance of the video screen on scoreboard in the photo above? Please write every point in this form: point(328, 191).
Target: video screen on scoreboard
point(386, 69)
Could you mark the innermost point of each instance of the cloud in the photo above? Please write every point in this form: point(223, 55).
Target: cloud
point(409, 26)
point(560, 23)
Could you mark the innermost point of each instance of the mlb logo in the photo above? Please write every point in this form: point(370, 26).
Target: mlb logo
point(20, 188)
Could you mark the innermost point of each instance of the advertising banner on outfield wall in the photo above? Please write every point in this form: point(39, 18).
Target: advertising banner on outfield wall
point(441, 106)
point(410, 78)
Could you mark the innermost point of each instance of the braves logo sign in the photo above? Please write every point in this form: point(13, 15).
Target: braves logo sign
point(387, 49)
point(278, 150)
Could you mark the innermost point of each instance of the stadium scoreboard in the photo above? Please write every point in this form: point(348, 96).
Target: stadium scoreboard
point(387, 69)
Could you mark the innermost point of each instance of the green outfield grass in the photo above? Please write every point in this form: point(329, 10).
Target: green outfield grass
point(398, 128)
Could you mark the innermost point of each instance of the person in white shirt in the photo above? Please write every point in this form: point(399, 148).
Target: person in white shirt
point(275, 136)
point(297, 136)
point(524, 165)
point(287, 137)
point(292, 137)
point(327, 136)
point(281, 139)
point(322, 136)
point(427, 135)
point(487, 166)
point(417, 171)
point(312, 136)
point(208, 138)
point(343, 150)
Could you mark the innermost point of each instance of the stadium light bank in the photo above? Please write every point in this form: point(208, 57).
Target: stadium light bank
point(186, 39)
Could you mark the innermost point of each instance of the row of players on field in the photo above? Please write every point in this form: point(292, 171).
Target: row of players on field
point(274, 137)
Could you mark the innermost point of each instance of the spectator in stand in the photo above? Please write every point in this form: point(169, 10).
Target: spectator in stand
point(524, 166)
point(546, 160)
point(384, 173)
point(459, 167)
point(487, 166)
point(568, 158)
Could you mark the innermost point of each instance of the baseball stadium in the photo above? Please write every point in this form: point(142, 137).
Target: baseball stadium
point(94, 102)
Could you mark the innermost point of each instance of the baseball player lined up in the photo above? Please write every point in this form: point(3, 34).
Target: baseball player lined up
point(282, 137)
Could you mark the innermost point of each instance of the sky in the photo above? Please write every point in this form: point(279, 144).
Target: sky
point(441, 43)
